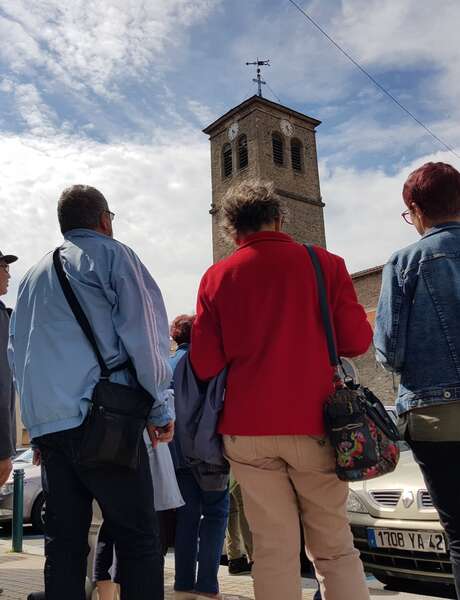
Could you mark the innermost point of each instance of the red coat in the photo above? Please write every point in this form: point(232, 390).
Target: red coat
point(258, 314)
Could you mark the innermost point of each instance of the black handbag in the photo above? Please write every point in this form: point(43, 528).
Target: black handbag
point(117, 416)
point(362, 433)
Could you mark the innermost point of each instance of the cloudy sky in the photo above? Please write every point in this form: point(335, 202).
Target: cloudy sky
point(114, 93)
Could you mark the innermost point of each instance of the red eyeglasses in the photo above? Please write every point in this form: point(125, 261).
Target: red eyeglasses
point(407, 217)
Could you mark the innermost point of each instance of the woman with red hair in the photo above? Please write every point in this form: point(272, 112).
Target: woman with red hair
point(418, 336)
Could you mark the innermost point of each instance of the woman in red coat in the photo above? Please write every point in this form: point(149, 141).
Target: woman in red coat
point(258, 315)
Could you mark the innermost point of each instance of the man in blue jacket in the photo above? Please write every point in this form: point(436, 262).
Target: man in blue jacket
point(418, 336)
point(56, 371)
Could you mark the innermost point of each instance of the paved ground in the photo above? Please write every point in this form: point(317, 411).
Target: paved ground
point(22, 573)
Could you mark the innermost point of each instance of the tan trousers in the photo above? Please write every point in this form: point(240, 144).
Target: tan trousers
point(239, 538)
point(281, 476)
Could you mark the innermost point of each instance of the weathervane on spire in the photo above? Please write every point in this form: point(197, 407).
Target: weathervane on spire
point(259, 63)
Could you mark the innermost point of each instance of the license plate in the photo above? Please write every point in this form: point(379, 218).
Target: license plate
point(419, 541)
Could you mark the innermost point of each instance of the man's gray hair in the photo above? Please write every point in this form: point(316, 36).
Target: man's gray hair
point(250, 205)
point(80, 206)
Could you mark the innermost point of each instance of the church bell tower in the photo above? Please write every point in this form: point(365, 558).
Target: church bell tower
point(263, 139)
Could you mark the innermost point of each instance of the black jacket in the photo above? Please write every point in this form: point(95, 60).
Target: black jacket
point(7, 393)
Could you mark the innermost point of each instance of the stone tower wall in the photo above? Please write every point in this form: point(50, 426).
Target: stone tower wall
point(220, 184)
point(299, 190)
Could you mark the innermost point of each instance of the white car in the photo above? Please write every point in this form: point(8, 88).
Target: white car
point(397, 529)
point(33, 493)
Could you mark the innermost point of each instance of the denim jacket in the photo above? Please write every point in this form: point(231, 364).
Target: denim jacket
point(417, 332)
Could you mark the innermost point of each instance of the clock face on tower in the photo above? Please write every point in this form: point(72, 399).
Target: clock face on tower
point(233, 131)
point(286, 127)
point(257, 138)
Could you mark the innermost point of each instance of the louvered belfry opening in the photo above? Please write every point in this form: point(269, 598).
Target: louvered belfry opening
point(277, 144)
point(227, 160)
point(243, 152)
point(296, 155)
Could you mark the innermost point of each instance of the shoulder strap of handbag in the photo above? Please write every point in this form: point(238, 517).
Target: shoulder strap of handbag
point(324, 307)
point(81, 317)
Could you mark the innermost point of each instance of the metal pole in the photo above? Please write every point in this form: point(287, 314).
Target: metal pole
point(18, 509)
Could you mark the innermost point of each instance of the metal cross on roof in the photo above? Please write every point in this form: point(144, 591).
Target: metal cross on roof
point(259, 63)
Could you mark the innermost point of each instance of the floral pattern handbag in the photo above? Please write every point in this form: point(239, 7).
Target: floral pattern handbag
point(362, 433)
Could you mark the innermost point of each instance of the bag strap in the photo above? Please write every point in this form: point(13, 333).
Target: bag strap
point(324, 307)
point(81, 317)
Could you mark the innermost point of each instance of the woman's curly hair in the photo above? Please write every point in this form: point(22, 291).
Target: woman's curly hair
point(250, 205)
point(181, 329)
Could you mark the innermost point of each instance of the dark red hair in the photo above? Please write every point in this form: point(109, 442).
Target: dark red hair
point(435, 189)
point(181, 329)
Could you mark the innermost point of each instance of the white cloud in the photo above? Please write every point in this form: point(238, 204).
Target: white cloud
point(383, 34)
point(203, 113)
point(363, 135)
point(6, 85)
point(303, 66)
point(417, 37)
point(160, 194)
point(38, 117)
point(390, 33)
point(96, 45)
point(161, 191)
point(19, 49)
point(363, 211)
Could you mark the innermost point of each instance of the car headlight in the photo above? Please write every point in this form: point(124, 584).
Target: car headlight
point(354, 504)
point(6, 489)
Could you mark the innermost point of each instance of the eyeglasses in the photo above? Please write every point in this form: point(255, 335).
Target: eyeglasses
point(111, 214)
point(407, 217)
point(5, 267)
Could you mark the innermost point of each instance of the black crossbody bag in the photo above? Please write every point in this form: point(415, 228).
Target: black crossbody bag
point(362, 433)
point(117, 417)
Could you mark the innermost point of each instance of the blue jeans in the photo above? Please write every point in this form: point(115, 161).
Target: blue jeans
point(199, 540)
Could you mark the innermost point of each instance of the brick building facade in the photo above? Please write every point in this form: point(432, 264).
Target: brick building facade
point(263, 139)
point(367, 285)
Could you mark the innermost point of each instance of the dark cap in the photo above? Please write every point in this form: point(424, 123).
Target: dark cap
point(8, 258)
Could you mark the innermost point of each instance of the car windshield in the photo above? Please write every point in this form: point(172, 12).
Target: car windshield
point(25, 457)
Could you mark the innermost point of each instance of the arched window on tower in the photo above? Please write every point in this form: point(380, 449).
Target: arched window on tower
point(296, 154)
point(278, 150)
point(227, 161)
point(243, 152)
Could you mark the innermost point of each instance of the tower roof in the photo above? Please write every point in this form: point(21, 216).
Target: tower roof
point(260, 101)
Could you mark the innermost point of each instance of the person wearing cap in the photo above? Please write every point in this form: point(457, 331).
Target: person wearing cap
point(7, 394)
